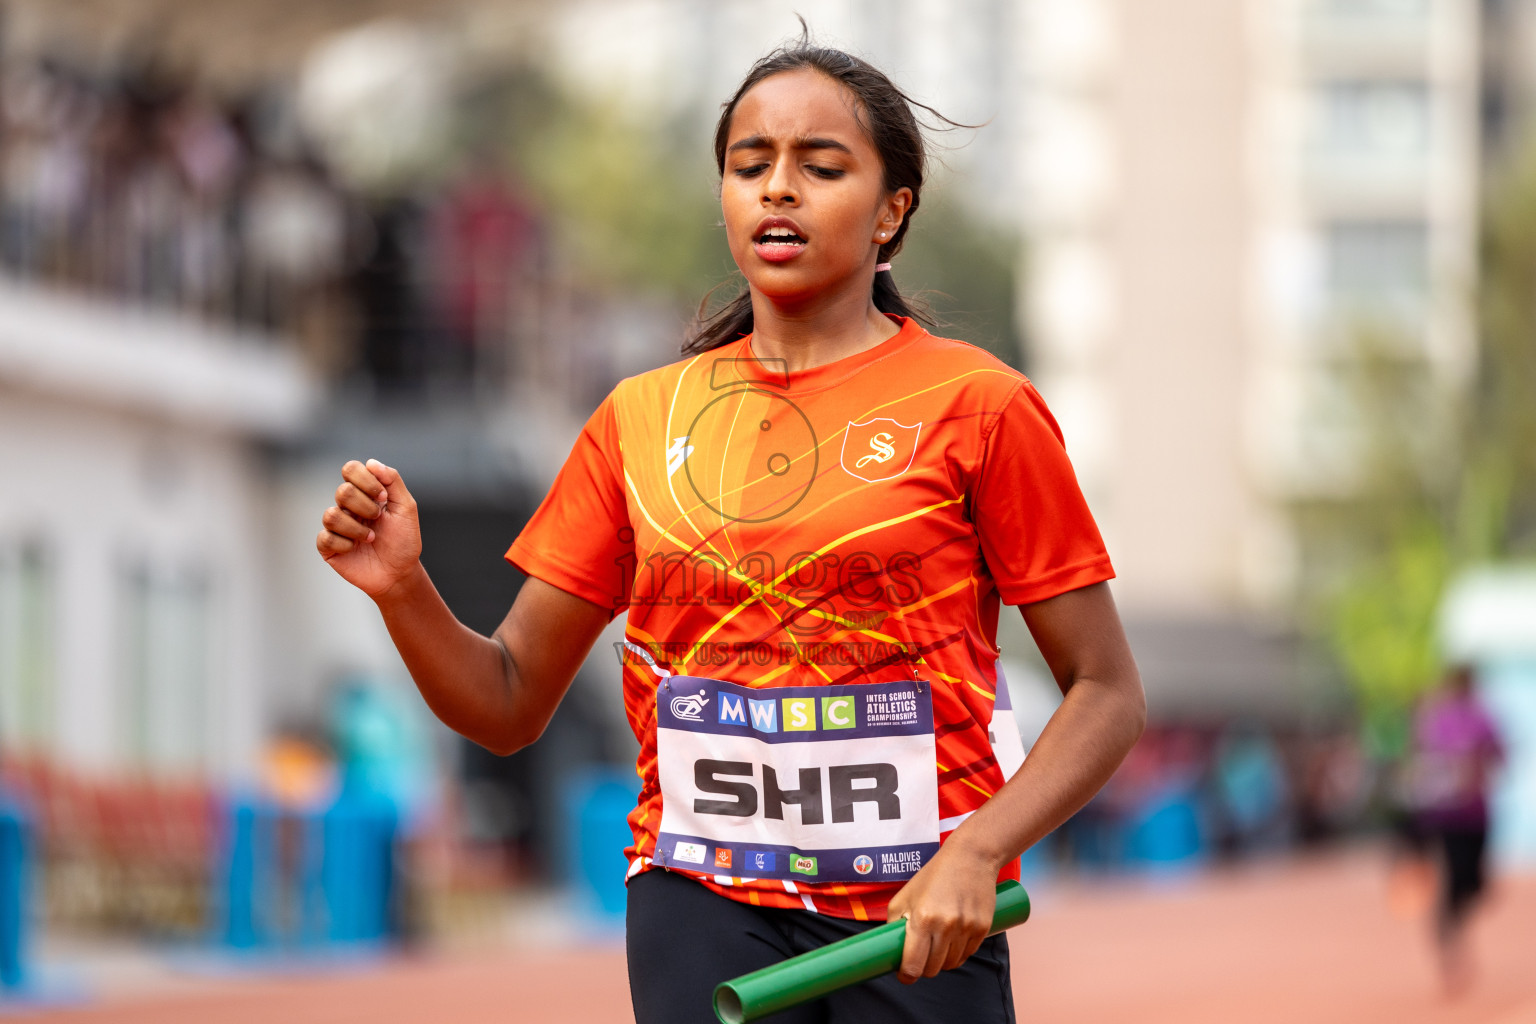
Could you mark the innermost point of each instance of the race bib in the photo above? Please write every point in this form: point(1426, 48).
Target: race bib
point(804, 783)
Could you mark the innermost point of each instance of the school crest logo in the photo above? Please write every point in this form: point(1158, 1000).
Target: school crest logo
point(879, 449)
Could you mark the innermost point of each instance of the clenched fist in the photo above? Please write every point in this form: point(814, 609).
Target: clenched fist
point(371, 536)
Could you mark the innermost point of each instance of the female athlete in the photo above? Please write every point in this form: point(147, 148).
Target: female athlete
point(809, 523)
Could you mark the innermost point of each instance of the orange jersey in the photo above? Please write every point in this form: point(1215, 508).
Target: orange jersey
point(844, 528)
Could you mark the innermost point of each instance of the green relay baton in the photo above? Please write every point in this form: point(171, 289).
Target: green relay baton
point(838, 965)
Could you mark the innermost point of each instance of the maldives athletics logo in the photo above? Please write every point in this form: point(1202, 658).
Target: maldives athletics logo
point(879, 449)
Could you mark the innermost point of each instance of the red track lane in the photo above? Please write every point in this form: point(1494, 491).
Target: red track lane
point(1305, 942)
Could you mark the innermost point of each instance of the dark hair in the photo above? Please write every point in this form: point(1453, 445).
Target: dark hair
point(885, 113)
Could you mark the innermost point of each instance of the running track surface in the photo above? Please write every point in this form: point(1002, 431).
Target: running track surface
point(1304, 942)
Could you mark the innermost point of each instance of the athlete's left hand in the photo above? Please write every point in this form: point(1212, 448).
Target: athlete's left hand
point(949, 905)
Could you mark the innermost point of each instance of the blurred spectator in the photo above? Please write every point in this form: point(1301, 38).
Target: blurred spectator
point(1252, 796)
point(393, 342)
point(298, 773)
point(1189, 791)
point(145, 187)
point(382, 749)
point(294, 234)
point(485, 235)
point(384, 754)
point(1334, 786)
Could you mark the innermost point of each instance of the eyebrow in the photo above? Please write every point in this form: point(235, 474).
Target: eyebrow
point(810, 142)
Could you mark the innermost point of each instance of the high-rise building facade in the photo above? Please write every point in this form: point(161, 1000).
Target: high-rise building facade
point(1221, 196)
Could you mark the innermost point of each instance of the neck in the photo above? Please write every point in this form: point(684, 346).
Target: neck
point(811, 332)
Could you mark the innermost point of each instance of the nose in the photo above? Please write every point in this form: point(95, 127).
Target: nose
point(779, 185)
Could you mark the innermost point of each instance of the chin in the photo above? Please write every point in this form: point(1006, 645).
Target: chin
point(777, 281)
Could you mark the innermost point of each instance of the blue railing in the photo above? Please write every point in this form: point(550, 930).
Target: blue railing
point(302, 879)
point(15, 890)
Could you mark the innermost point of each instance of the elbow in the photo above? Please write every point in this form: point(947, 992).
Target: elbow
point(501, 746)
point(510, 741)
point(1136, 709)
point(516, 728)
point(1138, 720)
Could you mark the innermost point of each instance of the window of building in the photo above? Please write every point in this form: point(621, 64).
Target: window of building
point(1384, 119)
point(27, 639)
point(1376, 266)
point(1376, 8)
point(165, 668)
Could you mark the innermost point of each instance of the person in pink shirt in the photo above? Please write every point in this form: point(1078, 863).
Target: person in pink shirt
point(1456, 749)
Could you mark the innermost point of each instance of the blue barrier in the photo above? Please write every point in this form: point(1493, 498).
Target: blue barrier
point(1096, 838)
point(595, 804)
point(1038, 861)
point(307, 878)
point(245, 829)
point(15, 890)
point(357, 868)
point(1167, 831)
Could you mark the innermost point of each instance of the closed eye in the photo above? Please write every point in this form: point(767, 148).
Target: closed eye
point(750, 171)
point(829, 173)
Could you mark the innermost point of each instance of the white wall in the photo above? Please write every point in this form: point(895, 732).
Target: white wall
point(102, 489)
point(131, 440)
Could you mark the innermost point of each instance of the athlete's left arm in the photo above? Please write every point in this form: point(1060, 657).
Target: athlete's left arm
point(949, 903)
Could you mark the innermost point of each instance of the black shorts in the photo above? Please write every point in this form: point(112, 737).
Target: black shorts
point(683, 940)
point(1462, 871)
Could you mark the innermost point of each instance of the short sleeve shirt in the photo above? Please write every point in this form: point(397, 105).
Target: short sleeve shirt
point(856, 522)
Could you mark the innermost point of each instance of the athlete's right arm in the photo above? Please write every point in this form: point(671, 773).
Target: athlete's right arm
point(499, 691)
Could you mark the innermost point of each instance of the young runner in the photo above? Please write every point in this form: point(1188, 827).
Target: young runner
point(1456, 751)
point(810, 523)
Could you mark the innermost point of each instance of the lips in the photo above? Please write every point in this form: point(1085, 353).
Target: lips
point(777, 239)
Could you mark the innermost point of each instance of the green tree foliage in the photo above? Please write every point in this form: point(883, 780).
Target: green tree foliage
point(965, 273)
point(1379, 560)
point(635, 206)
point(1497, 514)
point(632, 203)
point(1446, 476)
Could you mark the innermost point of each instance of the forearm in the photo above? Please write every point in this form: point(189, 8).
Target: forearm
point(468, 680)
point(1084, 742)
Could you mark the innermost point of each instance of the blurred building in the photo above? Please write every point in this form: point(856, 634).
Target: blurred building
point(1508, 44)
point(202, 321)
point(136, 535)
point(684, 58)
point(1221, 198)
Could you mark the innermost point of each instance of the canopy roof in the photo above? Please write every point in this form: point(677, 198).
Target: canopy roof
point(1490, 613)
